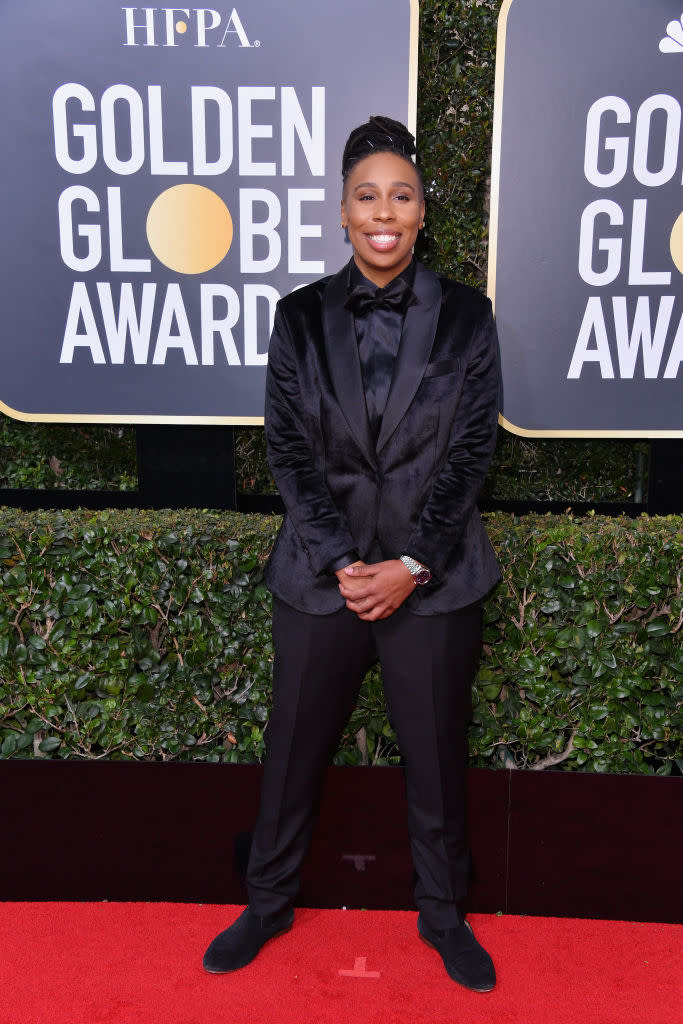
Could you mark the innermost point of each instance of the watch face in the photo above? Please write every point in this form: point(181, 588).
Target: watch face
point(422, 577)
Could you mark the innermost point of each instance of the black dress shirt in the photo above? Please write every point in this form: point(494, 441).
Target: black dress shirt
point(378, 332)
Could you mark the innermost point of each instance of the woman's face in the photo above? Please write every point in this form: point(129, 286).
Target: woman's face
point(382, 208)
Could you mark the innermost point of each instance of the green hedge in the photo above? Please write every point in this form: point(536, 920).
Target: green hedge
point(454, 132)
point(43, 456)
point(147, 635)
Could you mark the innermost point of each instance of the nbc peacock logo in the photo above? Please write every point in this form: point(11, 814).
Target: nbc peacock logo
point(673, 40)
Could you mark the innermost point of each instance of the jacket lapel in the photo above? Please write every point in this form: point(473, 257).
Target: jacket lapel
point(417, 339)
point(341, 349)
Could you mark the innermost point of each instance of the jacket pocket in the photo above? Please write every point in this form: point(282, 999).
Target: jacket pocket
point(441, 368)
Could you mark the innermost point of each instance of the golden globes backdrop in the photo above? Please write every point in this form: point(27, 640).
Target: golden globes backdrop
point(586, 258)
point(168, 174)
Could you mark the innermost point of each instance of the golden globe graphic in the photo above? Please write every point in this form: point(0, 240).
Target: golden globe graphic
point(174, 172)
point(189, 229)
point(586, 183)
point(676, 243)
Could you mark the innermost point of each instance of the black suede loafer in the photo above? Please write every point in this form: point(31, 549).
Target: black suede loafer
point(240, 943)
point(465, 960)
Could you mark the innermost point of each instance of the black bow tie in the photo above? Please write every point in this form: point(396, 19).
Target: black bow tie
point(397, 295)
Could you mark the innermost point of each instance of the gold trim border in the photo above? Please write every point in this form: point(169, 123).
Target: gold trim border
point(524, 432)
point(493, 246)
point(245, 421)
point(46, 417)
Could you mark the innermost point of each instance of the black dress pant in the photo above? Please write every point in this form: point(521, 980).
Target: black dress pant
point(428, 664)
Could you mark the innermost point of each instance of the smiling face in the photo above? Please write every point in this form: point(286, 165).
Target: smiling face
point(382, 208)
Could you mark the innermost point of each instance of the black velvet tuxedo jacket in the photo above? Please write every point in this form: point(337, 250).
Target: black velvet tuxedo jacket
point(413, 492)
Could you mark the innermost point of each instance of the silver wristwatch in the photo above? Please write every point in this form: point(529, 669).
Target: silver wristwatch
point(420, 574)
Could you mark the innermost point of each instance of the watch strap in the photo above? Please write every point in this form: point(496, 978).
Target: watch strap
point(419, 572)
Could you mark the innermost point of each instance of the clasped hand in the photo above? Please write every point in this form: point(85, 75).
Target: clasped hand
point(375, 591)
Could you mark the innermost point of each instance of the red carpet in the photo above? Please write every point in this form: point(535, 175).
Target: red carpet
point(133, 963)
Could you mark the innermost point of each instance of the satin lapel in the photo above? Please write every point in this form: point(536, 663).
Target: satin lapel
point(417, 339)
point(341, 349)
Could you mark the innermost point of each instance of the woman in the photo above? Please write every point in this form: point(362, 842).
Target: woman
point(381, 410)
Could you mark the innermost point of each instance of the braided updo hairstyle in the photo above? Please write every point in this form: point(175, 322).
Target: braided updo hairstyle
point(378, 135)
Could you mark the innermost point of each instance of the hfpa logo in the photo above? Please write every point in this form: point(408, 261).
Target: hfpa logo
point(161, 26)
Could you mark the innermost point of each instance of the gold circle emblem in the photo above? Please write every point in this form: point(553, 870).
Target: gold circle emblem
point(189, 229)
point(676, 243)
